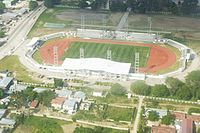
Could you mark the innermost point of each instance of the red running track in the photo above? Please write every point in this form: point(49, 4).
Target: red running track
point(159, 58)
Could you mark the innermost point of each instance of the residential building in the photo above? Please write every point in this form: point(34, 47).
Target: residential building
point(34, 104)
point(187, 126)
point(6, 82)
point(9, 3)
point(70, 106)
point(80, 96)
point(57, 103)
point(8, 123)
point(2, 113)
point(160, 112)
point(16, 87)
point(8, 16)
point(98, 93)
point(3, 73)
point(162, 129)
point(64, 93)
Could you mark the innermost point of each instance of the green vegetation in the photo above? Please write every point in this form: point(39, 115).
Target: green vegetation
point(175, 88)
point(153, 116)
point(120, 100)
point(160, 91)
point(36, 124)
point(97, 130)
point(104, 83)
point(168, 119)
point(99, 112)
point(46, 97)
point(120, 114)
point(33, 5)
point(2, 6)
point(1, 92)
point(120, 53)
point(2, 34)
point(117, 90)
point(58, 82)
point(142, 128)
point(37, 57)
point(12, 63)
point(48, 16)
point(193, 110)
point(140, 88)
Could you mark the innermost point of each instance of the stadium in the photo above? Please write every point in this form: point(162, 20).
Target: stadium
point(106, 54)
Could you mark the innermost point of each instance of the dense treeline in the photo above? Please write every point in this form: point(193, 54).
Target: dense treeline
point(174, 88)
point(138, 6)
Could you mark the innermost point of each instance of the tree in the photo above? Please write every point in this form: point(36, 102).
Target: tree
point(29, 94)
point(2, 34)
point(49, 3)
point(189, 6)
point(168, 119)
point(153, 116)
point(83, 4)
point(193, 82)
point(173, 84)
point(2, 6)
point(118, 90)
point(184, 93)
point(58, 82)
point(46, 97)
point(33, 5)
point(140, 88)
point(1, 92)
point(117, 6)
point(160, 91)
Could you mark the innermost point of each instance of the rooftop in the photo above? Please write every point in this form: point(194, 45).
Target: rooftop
point(5, 81)
point(187, 126)
point(97, 64)
point(70, 103)
point(79, 95)
point(58, 100)
point(7, 121)
point(163, 129)
point(34, 104)
point(39, 90)
point(63, 93)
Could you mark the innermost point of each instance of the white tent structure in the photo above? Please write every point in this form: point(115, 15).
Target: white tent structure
point(96, 67)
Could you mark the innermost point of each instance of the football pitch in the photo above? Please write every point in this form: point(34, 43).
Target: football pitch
point(119, 53)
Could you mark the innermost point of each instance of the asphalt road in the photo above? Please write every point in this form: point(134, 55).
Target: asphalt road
point(17, 36)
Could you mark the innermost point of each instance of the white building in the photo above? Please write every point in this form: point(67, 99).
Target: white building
point(64, 93)
point(70, 106)
point(97, 67)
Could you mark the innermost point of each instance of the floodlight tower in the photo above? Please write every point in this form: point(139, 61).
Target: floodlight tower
point(55, 55)
point(137, 62)
point(81, 53)
point(150, 24)
point(82, 22)
point(109, 54)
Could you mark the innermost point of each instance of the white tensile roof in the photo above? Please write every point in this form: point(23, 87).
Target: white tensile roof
point(33, 41)
point(96, 64)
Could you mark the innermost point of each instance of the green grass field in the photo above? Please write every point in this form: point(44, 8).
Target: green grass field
point(34, 124)
point(12, 63)
point(120, 53)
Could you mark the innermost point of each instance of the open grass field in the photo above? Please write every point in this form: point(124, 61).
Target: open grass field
point(13, 64)
point(120, 53)
point(100, 112)
point(164, 22)
point(34, 124)
point(71, 18)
